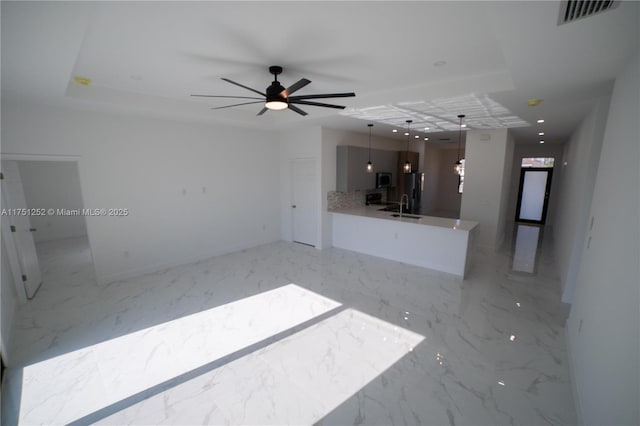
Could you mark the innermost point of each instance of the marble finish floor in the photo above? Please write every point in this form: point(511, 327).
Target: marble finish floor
point(286, 334)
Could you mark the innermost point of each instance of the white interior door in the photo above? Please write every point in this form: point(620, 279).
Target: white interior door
point(304, 201)
point(14, 204)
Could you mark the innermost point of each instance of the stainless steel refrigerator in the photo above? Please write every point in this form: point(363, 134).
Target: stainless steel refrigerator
point(413, 185)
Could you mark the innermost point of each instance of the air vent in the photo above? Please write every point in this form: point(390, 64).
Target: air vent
point(571, 10)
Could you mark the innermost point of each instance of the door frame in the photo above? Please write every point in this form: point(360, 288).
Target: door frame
point(8, 243)
point(547, 192)
point(292, 163)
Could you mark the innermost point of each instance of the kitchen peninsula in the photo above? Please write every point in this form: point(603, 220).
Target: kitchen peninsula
point(437, 243)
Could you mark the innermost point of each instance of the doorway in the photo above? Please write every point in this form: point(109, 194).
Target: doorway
point(51, 242)
point(533, 194)
point(304, 211)
point(17, 233)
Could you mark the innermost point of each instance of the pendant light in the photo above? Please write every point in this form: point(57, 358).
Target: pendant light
point(407, 164)
point(370, 164)
point(457, 168)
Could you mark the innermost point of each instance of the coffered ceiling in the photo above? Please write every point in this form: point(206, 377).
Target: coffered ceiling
point(426, 61)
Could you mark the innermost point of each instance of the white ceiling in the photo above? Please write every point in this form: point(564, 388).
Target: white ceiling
point(148, 57)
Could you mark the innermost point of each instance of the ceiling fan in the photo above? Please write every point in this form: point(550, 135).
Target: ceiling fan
point(278, 98)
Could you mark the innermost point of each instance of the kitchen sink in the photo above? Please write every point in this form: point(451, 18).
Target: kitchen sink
point(408, 216)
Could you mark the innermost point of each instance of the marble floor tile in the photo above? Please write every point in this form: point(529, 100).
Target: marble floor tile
point(286, 334)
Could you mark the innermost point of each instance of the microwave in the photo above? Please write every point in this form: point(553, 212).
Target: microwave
point(383, 180)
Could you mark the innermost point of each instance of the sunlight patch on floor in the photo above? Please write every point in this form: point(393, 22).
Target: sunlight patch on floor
point(70, 386)
point(296, 380)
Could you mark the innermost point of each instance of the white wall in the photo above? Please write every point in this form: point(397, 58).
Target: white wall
point(53, 184)
point(193, 191)
point(503, 219)
point(581, 156)
point(603, 327)
point(521, 151)
point(488, 160)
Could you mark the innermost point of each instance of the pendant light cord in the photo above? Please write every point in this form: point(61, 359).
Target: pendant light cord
point(370, 126)
point(461, 116)
point(408, 124)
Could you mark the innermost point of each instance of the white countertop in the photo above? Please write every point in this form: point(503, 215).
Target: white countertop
point(373, 211)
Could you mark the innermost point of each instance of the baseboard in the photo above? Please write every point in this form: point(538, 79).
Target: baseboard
point(161, 266)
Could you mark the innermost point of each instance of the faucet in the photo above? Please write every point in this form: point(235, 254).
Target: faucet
point(402, 198)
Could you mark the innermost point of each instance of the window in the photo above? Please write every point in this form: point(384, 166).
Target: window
point(538, 162)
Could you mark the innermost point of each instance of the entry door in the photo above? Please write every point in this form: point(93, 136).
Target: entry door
point(21, 230)
point(303, 201)
point(533, 196)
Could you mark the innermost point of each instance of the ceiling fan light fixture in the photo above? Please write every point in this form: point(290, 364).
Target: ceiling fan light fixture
point(276, 105)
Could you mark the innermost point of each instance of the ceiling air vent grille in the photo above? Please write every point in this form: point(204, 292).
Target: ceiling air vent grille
point(571, 10)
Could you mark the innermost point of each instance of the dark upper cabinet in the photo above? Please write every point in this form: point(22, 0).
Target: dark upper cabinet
point(351, 173)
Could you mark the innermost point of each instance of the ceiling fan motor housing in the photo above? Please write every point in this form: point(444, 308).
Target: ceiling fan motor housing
point(273, 92)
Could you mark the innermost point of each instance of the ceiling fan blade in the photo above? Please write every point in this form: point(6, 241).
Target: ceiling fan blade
point(323, 96)
point(301, 102)
point(243, 86)
point(234, 105)
point(295, 87)
point(296, 109)
point(262, 111)
point(228, 97)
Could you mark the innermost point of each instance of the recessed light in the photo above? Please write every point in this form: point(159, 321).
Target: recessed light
point(512, 338)
point(395, 130)
point(463, 126)
point(541, 121)
point(417, 137)
point(426, 139)
point(540, 133)
point(406, 133)
point(426, 128)
point(541, 141)
point(501, 383)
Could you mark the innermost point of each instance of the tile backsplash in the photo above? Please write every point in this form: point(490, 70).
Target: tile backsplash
point(346, 200)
